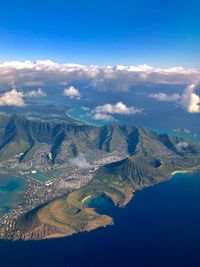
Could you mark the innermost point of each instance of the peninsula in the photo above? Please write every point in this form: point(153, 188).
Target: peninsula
point(65, 163)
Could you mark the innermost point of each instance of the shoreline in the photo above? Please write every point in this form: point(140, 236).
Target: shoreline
point(78, 120)
point(83, 121)
point(166, 179)
point(119, 205)
point(184, 171)
point(122, 205)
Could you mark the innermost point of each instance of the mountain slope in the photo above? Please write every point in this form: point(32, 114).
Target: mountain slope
point(148, 158)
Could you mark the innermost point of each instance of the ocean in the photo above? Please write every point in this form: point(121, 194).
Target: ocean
point(160, 227)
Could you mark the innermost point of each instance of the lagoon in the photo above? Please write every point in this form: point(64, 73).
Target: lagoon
point(12, 189)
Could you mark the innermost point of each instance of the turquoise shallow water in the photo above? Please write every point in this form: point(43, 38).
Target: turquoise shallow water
point(160, 227)
point(45, 176)
point(80, 114)
point(11, 192)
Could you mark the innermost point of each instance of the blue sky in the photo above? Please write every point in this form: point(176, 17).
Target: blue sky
point(158, 33)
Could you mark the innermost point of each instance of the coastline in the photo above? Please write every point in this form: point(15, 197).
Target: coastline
point(127, 193)
point(184, 171)
point(131, 196)
point(83, 121)
point(136, 224)
point(71, 117)
point(107, 220)
point(165, 179)
point(79, 120)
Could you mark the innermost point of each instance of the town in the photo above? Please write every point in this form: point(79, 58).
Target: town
point(38, 193)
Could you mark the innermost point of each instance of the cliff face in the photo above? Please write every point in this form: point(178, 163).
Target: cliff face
point(19, 135)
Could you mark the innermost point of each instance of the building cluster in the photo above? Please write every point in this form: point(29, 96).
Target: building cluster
point(38, 193)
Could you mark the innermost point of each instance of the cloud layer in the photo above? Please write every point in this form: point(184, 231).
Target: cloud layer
point(120, 78)
point(101, 78)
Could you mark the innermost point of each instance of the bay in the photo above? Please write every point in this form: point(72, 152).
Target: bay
point(159, 227)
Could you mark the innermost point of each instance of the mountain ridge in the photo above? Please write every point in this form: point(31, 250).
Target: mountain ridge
point(143, 158)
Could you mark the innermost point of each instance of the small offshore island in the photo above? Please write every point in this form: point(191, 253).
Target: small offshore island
point(65, 163)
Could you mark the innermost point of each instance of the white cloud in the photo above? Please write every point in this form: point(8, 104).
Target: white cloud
point(165, 97)
point(80, 162)
point(17, 98)
point(116, 78)
point(72, 92)
point(190, 100)
point(35, 93)
point(12, 98)
point(102, 117)
point(118, 108)
point(104, 112)
point(102, 78)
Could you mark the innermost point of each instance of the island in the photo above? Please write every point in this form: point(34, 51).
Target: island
point(65, 163)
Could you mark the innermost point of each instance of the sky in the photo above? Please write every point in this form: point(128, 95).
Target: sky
point(129, 32)
point(118, 58)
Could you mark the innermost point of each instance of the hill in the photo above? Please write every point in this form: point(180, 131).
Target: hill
point(145, 158)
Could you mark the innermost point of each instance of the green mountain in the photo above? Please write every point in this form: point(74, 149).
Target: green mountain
point(20, 135)
point(146, 158)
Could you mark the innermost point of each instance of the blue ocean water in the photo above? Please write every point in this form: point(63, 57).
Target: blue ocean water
point(160, 227)
point(81, 114)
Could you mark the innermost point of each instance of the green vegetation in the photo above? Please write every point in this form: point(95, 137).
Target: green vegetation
point(151, 159)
